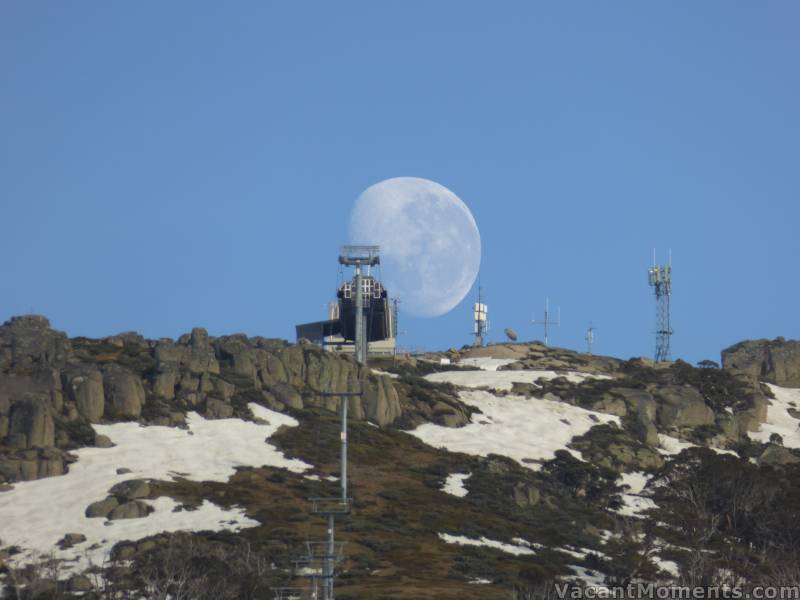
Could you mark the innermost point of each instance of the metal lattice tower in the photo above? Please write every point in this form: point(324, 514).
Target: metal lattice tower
point(547, 321)
point(660, 279)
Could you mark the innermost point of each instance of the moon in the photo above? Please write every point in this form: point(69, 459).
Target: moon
point(430, 247)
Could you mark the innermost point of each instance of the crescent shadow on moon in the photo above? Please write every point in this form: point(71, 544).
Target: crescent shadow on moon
point(430, 243)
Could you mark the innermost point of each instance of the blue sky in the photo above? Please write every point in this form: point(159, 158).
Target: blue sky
point(167, 165)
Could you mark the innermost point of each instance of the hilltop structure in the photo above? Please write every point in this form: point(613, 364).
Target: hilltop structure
point(338, 332)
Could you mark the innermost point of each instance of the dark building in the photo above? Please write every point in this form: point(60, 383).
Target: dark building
point(338, 331)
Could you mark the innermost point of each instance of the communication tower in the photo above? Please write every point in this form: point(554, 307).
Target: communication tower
point(589, 338)
point(660, 279)
point(480, 320)
point(547, 321)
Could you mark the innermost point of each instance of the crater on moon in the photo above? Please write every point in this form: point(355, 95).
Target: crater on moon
point(430, 244)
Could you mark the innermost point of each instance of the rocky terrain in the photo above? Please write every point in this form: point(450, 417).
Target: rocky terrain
point(492, 474)
point(776, 361)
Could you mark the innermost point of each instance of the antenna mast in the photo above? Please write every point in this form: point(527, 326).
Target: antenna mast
point(547, 322)
point(660, 279)
point(589, 338)
point(481, 321)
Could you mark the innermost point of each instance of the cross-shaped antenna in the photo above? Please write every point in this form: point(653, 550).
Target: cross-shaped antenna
point(547, 322)
point(590, 337)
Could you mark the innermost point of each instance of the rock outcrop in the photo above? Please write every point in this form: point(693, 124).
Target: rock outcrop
point(773, 361)
point(682, 407)
point(84, 386)
point(53, 388)
point(125, 392)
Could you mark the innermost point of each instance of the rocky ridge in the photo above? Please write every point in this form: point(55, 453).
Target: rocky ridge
point(52, 388)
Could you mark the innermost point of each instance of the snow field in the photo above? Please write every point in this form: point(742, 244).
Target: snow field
point(778, 418)
point(499, 380)
point(525, 429)
point(35, 515)
point(486, 363)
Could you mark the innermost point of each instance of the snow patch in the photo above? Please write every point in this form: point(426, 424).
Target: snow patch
point(502, 380)
point(778, 418)
point(36, 514)
point(461, 540)
point(454, 484)
point(634, 503)
point(486, 363)
point(379, 372)
point(669, 566)
point(592, 578)
point(529, 430)
point(670, 445)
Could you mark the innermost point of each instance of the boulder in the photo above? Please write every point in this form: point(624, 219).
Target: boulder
point(647, 433)
point(84, 386)
point(124, 391)
point(774, 361)
point(135, 509)
point(80, 583)
point(102, 508)
point(381, 401)
point(30, 464)
point(777, 455)
point(752, 418)
point(70, 539)
point(611, 405)
point(222, 388)
point(646, 411)
point(165, 381)
point(132, 489)
point(682, 407)
point(235, 352)
point(103, 441)
point(36, 382)
point(217, 409)
point(286, 394)
point(33, 419)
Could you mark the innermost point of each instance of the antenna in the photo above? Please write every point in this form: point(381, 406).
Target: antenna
point(589, 337)
point(547, 322)
point(481, 321)
point(395, 323)
point(660, 279)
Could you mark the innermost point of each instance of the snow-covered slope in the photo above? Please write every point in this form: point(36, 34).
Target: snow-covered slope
point(779, 420)
point(529, 430)
point(498, 380)
point(486, 363)
point(35, 515)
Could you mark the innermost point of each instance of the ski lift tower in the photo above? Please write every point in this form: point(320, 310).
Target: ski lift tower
point(358, 257)
point(660, 279)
